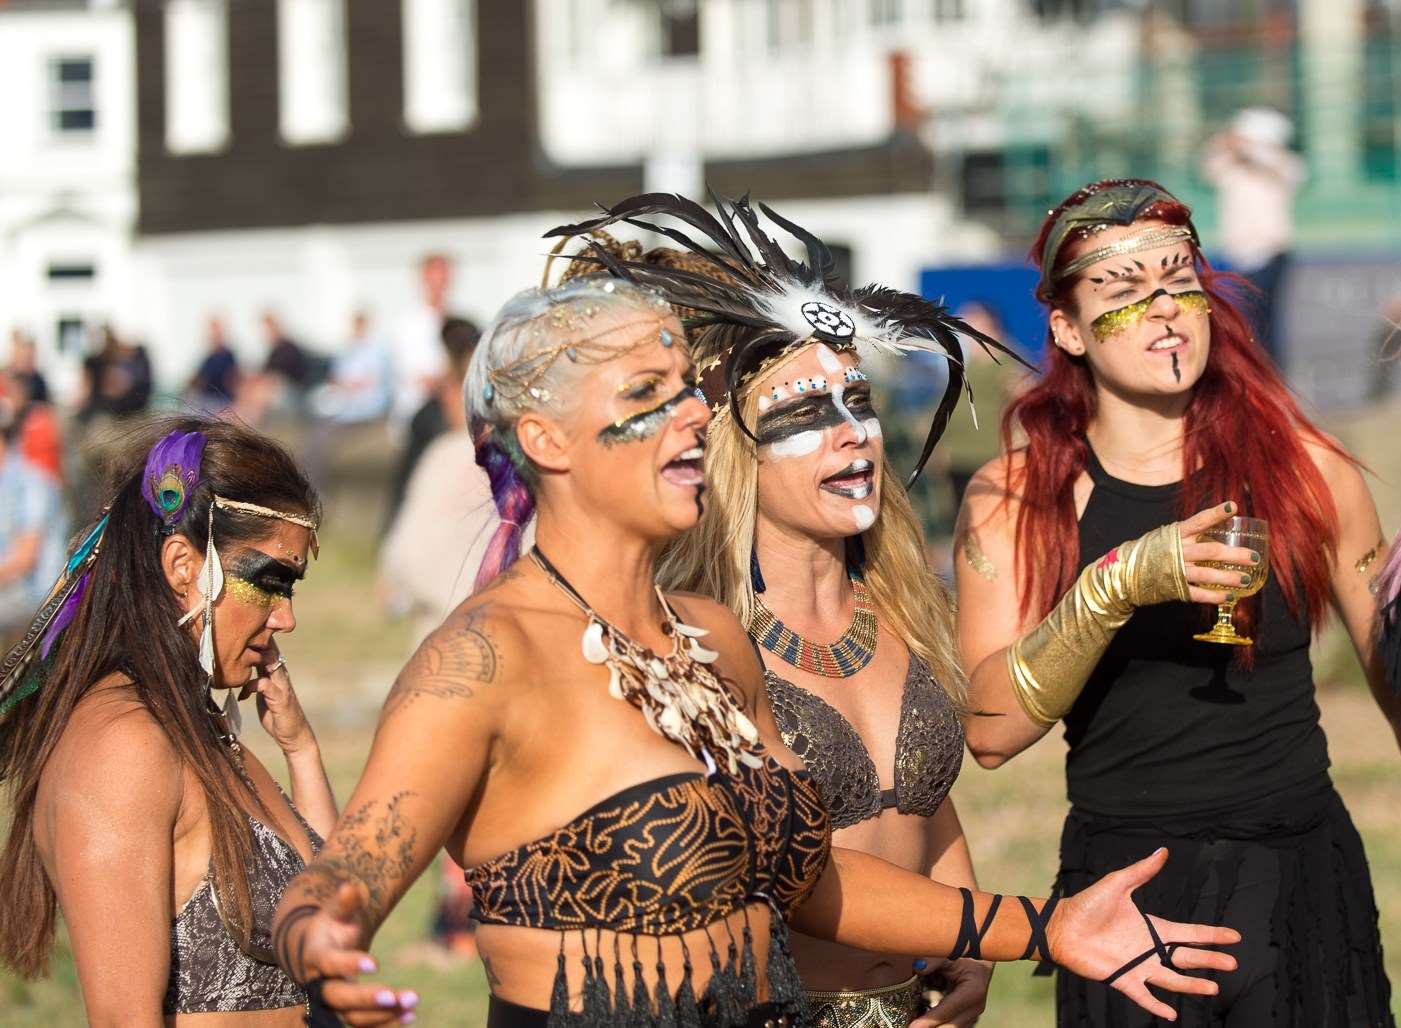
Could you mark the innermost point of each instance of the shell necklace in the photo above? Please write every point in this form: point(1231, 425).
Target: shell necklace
point(681, 697)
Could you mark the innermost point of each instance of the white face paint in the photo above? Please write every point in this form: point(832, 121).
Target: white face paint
point(799, 445)
point(839, 401)
point(827, 357)
point(864, 516)
point(873, 428)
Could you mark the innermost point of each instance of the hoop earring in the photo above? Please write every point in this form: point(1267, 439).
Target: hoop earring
point(756, 577)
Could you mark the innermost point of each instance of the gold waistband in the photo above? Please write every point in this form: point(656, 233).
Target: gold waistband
point(892, 1006)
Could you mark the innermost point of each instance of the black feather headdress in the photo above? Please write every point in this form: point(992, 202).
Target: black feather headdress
point(766, 304)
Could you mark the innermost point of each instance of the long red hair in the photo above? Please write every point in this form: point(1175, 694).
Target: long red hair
point(1242, 435)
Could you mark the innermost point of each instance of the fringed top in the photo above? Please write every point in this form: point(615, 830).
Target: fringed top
point(663, 858)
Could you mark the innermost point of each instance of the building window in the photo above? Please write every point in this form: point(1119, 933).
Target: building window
point(72, 271)
point(311, 69)
point(72, 104)
point(948, 10)
point(886, 12)
point(440, 64)
point(680, 28)
point(196, 75)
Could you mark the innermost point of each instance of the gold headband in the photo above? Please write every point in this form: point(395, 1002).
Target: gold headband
point(278, 515)
point(1149, 240)
point(713, 371)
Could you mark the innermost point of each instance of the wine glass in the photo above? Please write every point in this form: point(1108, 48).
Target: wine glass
point(1253, 534)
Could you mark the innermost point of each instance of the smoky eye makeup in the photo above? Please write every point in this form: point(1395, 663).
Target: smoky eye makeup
point(1112, 322)
point(811, 413)
point(264, 573)
point(641, 388)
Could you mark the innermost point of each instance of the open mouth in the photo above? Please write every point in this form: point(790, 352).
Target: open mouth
point(855, 481)
point(687, 469)
point(1171, 341)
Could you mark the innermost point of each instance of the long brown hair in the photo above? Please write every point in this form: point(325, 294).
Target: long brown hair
point(1242, 440)
point(126, 624)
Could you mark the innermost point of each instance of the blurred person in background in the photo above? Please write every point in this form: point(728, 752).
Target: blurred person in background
point(359, 386)
point(438, 412)
point(428, 565)
point(598, 767)
point(35, 427)
point(33, 533)
point(116, 379)
point(1256, 176)
point(215, 384)
point(417, 352)
point(279, 389)
point(1158, 417)
point(966, 447)
point(137, 813)
point(24, 367)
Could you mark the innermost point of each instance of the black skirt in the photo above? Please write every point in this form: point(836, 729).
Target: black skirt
point(1289, 873)
point(501, 1013)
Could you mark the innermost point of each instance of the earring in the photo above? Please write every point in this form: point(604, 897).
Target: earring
point(756, 577)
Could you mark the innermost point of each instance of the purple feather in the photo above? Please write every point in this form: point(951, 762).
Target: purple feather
point(65, 616)
point(172, 472)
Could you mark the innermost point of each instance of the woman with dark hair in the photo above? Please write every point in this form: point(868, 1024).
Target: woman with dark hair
point(136, 812)
point(629, 869)
point(1156, 404)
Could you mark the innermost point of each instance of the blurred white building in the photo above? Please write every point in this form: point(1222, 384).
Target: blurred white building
point(67, 173)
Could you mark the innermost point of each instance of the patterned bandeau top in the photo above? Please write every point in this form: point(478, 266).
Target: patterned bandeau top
point(665, 857)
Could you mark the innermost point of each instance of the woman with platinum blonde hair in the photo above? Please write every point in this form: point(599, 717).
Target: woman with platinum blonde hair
point(627, 869)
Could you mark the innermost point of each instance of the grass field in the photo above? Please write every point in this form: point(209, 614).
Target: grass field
point(345, 654)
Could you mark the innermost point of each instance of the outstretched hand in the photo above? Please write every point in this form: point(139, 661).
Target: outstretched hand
point(1096, 932)
point(319, 947)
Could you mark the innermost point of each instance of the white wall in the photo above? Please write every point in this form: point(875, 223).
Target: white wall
point(315, 277)
point(65, 198)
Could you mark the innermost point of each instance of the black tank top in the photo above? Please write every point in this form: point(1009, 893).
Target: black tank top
point(1167, 725)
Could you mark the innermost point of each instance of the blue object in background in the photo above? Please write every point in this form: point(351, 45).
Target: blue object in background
point(1008, 288)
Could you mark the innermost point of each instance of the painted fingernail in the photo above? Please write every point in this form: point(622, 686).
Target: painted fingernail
point(385, 998)
point(367, 966)
point(1244, 579)
point(1230, 507)
point(408, 1018)
point(920, 965)
point(1254, 557)
point(408, 1000)
point(1230, 597)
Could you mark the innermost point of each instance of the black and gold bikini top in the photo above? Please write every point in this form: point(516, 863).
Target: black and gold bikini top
point(928, 748)
point(666, 857)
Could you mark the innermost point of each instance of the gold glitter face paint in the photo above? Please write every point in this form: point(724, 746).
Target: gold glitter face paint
point(1111, 323)
point(245, 591)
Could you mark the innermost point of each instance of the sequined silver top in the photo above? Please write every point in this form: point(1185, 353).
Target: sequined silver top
point(208, 969)
point(928, 748)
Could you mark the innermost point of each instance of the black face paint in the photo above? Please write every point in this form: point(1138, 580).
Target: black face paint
point(814, 413)
point(643, 425)
point(1177, 372)
point(264, 573)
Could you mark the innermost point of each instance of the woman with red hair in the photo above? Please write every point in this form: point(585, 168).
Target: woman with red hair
point(1158, 418)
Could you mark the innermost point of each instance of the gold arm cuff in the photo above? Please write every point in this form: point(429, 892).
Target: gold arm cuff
point(1049, 666)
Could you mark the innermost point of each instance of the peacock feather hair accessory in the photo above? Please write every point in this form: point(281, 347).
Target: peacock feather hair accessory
point(755, 306)
point(172, 473)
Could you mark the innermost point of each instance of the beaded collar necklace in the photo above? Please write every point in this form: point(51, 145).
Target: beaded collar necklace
point(841, 659)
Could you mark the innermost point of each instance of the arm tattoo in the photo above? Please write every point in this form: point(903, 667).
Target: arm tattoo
point(445, 667)
point(372, 845)
point(1366, 560)
point(976, 558)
